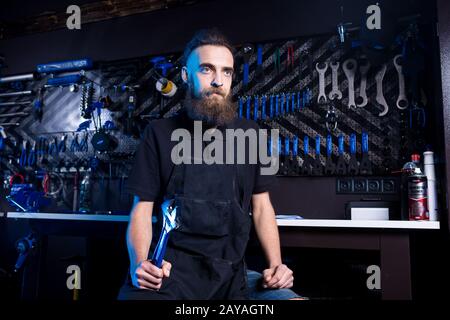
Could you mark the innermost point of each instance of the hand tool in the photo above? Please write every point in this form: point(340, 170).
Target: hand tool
point(74, 145)
point(402, 100)
point(32, 155)
point(363, 69)
point(259, 72)
point(14, 103)
point(169, 213)
point(335, 93)
point(15, 94)
point(277, 105)
point(263, 107)
point(330, 167)
point(63, 81)
point(84, 145)
point(317, 165)
point(341, 167)
point(299, 101)
point(14, 114)
point(62, 144)
point(271, 113)
point(365, 167)
point(13, 124)
point(331, 119)
point(306, 165)
point(21, 77)
point(349, 66)
point(64, 66)
point(322, 97)
point(380, 97)
point(249, 102)
point(3, 133)
point(53, 147)
point(241, 104)
point(293, 105)
point(282, 99)
point(353, 167)
point(255, 108)
point(296, 164)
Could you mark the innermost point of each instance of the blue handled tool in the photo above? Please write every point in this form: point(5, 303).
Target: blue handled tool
point(341, 166)
point(263, 107)
point(23, 154)
point(32, 155)
point(317, 166)
point(169, 213)
point(306, 166)
point(353, 168)
point(365, 166)
point(255, 108)
point(271, 106)
point(330, 167)
point(241, 104)
point(249, 102)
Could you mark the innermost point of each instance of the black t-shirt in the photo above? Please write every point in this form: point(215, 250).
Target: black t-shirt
point(153, 165)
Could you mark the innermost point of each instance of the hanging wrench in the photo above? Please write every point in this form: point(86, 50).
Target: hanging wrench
point(349, 67)
point(380, 97)
point(335, 92)
point(322, 97)
point(363, 69)
point(402, 101)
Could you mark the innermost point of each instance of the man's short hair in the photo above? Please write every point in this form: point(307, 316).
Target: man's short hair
point(206, 37)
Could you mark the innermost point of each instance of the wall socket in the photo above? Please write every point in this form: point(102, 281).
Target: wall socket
point(361, 185)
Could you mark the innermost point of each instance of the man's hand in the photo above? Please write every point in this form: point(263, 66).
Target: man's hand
point(278, 277)
point(148, 276)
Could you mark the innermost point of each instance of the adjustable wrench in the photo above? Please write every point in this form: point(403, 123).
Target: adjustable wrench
point(349, 67)
point(169, 213)
point(322, 97)
point(380, 97)
point(363, 69)
point(335, 92)
point(402, 100)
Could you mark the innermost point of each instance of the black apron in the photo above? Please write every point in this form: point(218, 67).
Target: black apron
point(207, 249)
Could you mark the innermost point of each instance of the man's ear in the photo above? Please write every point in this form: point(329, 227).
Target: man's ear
point(184, 74)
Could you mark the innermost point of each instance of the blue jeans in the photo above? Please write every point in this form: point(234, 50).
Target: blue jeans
point(257, 292)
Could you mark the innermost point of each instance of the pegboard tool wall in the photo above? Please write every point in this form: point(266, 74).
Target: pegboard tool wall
point(62, 113)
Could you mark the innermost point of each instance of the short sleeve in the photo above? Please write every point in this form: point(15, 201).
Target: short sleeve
point(144, 179)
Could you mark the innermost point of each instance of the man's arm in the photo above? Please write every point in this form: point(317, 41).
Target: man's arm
point(144, 274)
point(277, 275)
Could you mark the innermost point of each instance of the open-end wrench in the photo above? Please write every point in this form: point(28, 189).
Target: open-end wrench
point(169, 213)
point(363, 69)
point(349, 66)
point(335, 92)
point(322, 97)
point(402, 100)
point(380, 97)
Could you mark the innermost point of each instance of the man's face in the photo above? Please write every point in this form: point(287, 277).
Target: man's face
point(208, 74)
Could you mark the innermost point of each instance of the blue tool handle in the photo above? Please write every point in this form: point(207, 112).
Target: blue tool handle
point(283, 102)
point(249, 102)
point(293, 102)
point(352, 143)
point(259, 54)
point(255, 109)
point(295, 146)
point(341, 144)
point(277, 105)
point(306, 144)
point(329, 145)
point(263, 107)
point(365, 142)
point(160, 249)
point(286, 145)
point(271, 107)
point(317, 145)
point(299, 101)
point(241, 104)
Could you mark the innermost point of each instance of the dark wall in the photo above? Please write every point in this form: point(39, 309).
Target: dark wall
point(168, 30)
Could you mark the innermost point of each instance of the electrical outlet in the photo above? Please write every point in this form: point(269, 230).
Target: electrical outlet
point(388, 185)
point(374, 186)
point(360, 185)
point(344, 185)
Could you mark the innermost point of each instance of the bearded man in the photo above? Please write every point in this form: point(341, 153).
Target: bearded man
point(205, 254)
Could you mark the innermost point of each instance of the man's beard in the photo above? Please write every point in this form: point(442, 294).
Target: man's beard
point(215, 111)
